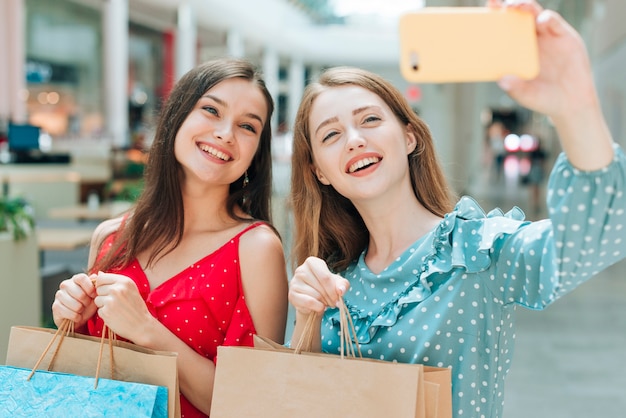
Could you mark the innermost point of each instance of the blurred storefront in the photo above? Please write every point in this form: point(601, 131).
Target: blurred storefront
point(93, 70)
point(64, 71)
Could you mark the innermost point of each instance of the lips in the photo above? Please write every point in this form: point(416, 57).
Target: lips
point(215, 152)
point(362, 162)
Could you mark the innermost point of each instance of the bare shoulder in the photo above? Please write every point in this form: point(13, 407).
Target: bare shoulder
point(260, 248)
point(262, 239)
point(104, 229)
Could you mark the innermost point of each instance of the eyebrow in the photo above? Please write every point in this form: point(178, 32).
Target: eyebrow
point(326, 122)
point(223, 103)
point(335, 119)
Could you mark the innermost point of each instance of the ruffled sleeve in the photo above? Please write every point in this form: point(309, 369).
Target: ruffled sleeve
point(517, 261)
point(544, 260)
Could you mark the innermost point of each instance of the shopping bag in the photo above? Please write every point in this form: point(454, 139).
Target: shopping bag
point(440, 404)
point(52, 394)
point(78, 355)
point(282, 382)
point(281, 385)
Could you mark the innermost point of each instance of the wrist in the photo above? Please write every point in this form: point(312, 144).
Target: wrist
point(585, 138)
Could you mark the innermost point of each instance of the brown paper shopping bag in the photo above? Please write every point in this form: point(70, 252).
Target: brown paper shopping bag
point(281, 382)
point(442, 379)
point(79, 355)
point(284, 385)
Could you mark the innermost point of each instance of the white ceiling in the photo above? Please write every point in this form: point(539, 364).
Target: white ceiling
point(282, 26)
point(279, 25)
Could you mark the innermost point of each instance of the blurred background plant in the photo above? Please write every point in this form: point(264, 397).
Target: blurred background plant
point(125, 190)
point(16, 217)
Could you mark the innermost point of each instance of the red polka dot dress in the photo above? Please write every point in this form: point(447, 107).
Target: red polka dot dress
point(203, 305)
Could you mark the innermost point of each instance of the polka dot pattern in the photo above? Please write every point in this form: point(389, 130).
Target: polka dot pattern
point(450, 299)
point(203, 305)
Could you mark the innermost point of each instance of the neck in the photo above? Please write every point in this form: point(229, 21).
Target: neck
point(394, 225)
point(205, 209)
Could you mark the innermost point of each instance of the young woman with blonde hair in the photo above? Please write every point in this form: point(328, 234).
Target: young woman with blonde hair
point(426, 281)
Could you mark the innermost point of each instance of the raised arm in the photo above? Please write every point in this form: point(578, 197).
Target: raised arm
point(564, 90)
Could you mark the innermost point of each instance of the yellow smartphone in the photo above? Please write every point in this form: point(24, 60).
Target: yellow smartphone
point(467, 44)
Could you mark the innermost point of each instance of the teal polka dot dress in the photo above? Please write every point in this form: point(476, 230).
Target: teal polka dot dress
point(450, 299)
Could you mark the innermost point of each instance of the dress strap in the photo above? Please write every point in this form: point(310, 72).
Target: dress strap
point(249, 227)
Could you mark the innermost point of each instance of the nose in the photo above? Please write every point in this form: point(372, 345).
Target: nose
point(224, 131)
point(354, 140)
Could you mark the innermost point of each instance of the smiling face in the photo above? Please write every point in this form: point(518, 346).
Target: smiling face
point(359, 146)
point(219, 137)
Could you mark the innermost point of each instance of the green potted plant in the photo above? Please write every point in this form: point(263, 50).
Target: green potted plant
point(16, 217)
point(20, 300)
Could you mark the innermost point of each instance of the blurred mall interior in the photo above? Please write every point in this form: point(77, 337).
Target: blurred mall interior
point(89, 76)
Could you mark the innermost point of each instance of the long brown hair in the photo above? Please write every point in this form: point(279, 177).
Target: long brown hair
point(327, 225)
point(157, 221)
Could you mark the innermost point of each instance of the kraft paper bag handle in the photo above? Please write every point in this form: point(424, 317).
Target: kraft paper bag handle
point(348, 333)
point(349, 339)
point(67, 328)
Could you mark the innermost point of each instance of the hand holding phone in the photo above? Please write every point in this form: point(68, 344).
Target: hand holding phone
point(467, 44)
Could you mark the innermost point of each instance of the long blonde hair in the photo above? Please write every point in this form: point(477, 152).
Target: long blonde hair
point(327, 225)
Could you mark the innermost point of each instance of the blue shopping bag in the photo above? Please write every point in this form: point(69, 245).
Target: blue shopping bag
point(77, 355)
point(54, 394)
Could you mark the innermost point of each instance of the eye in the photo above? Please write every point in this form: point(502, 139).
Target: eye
point(211, 110)
point(371, 118)
point(249, 127)
point(329, 135)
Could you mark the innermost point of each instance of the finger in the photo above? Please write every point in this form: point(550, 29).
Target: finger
point(528, 6)
point(306, 304)
point(494, 4)
point(328, 281)
point(61, 312)
point(306, 291)
point(333, 283)
point(85, 283)
point(342, 286)
point(100, 301)
point(105, 282)
point(306, 284)
point(551, 23)
point(510, 83)
point(76, 290)
point(103, 279)
point(70, 301)
point(103, 308)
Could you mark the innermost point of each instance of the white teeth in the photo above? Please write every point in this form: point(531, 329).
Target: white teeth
point(214, 152)
point(362, 163)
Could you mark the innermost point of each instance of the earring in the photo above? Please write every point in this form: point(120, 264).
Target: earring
point(246, 180)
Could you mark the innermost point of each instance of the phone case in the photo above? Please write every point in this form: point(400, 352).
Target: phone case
point(467, 44)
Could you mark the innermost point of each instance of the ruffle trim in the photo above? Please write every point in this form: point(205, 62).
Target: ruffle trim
point(463, 239)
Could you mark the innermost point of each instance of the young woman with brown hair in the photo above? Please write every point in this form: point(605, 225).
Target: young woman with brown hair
point(196, 264)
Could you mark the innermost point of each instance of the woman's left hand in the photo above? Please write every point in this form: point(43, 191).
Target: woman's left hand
point(565, 81)
point(564, 90)
point(121, 307)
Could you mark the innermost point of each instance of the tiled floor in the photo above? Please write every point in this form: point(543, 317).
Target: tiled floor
point(570, 360)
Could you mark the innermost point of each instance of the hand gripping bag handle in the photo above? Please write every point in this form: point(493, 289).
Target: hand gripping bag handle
point(349, 341)
point(66, 328)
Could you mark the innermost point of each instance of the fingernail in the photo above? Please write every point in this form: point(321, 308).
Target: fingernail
point(543, 17)
point(506, 82)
